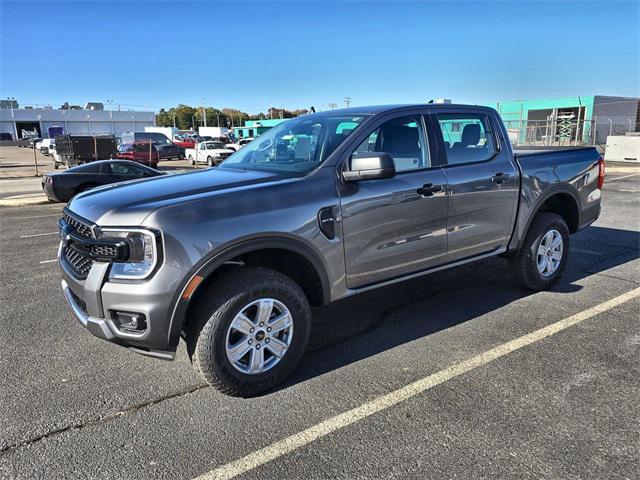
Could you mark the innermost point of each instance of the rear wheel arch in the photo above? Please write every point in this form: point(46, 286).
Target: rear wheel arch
point(290, 257)
point(561, 201)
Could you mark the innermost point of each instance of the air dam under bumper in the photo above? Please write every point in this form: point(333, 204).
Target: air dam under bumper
point(94, 299)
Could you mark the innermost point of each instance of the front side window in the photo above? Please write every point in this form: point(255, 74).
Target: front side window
point(467, 137)
point(297, 146)
point(403, 138)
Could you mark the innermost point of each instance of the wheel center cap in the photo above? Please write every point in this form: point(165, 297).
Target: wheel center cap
point(260, 335)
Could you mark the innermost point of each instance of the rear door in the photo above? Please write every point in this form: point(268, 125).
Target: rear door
point(397, 226)
point(482, 182)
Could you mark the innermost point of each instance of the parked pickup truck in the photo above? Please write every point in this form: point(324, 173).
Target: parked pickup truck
point(319, 208)
point(210, 152)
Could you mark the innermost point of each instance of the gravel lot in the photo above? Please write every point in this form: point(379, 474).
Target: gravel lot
point(564, 406)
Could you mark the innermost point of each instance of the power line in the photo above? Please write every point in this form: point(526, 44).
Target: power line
point(332, 105)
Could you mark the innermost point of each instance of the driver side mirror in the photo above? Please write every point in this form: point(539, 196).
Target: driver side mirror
point(370, 166)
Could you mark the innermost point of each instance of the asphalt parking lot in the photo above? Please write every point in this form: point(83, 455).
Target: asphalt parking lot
point(564, 405)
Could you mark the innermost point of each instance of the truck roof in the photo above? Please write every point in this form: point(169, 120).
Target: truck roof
point(376, 109)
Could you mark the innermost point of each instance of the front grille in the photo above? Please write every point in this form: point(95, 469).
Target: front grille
point(73, 257)
point(80, 265)
point(81, 228)
point(104, 250)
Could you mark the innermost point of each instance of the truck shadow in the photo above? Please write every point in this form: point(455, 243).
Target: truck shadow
point(376, 321)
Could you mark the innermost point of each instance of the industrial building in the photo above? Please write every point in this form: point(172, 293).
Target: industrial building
point(254, 128)
point(23, 122)
point(585, 120)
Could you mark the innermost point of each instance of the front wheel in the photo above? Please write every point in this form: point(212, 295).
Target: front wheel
point(544, 254)
point(210, 161)
point(249, 334)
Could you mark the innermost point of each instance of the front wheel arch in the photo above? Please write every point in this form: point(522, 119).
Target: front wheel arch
point(214, 265)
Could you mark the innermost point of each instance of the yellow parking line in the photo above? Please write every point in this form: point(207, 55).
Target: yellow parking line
point(324, 428)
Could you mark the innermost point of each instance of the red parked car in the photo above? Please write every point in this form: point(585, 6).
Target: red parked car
point(140, 152)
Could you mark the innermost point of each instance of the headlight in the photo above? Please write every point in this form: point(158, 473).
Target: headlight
point(143, 252)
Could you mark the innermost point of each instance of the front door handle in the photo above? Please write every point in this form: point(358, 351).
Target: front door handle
point(500, 178)
point(428, 189)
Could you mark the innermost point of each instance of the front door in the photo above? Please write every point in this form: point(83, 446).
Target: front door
point(482, 182)
point(397, 226)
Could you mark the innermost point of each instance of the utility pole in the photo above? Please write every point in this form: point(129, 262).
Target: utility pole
point(347, 101)
point(333, 105)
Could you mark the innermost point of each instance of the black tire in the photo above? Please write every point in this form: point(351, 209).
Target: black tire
point(207, 332)
point(523, 264)
point(210, 161)
point(55, 165)
point(191, 160)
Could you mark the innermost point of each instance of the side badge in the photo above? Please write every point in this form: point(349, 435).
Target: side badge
point(327, 222)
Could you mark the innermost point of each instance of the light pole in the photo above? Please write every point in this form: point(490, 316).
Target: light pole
point(35, 158)
point(347, 101)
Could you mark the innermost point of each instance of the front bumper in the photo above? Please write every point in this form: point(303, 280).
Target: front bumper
point(94, 299)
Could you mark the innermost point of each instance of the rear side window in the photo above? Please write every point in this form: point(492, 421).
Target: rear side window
point(144, 148)
point(467, 137)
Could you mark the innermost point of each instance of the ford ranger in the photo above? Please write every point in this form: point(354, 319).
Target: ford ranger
point(319, 208)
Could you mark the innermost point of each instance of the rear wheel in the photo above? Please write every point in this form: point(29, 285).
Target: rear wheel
point(543, 256)
point(251, 332)
point(55, 165)
point(86, 187)
point(191, 161)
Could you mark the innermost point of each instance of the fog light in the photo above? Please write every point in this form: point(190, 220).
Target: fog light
point(130, 322)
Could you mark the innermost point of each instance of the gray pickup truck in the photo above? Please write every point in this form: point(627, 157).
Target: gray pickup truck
point(319, 208)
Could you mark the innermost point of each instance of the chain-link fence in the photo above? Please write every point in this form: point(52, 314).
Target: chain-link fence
point(551, 132)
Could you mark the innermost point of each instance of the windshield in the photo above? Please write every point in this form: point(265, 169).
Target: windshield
point(296, 146)
point(214, 145)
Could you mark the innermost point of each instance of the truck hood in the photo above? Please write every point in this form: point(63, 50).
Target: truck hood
point(129, 203)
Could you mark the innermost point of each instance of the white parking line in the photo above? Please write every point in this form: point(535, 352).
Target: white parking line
point(49, 261)
point(34, 216)
point(311, 434)
point(38, 235)
point(620, 178)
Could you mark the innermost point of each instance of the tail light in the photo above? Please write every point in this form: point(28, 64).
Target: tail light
point(600, 173)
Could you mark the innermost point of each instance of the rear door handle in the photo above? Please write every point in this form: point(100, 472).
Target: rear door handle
point(428, 189)
point(500, 178)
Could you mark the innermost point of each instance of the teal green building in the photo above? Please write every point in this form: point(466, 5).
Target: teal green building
point(255, 128)
point(569, 120)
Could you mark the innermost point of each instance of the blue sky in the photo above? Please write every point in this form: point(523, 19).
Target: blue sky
point(252, 55)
